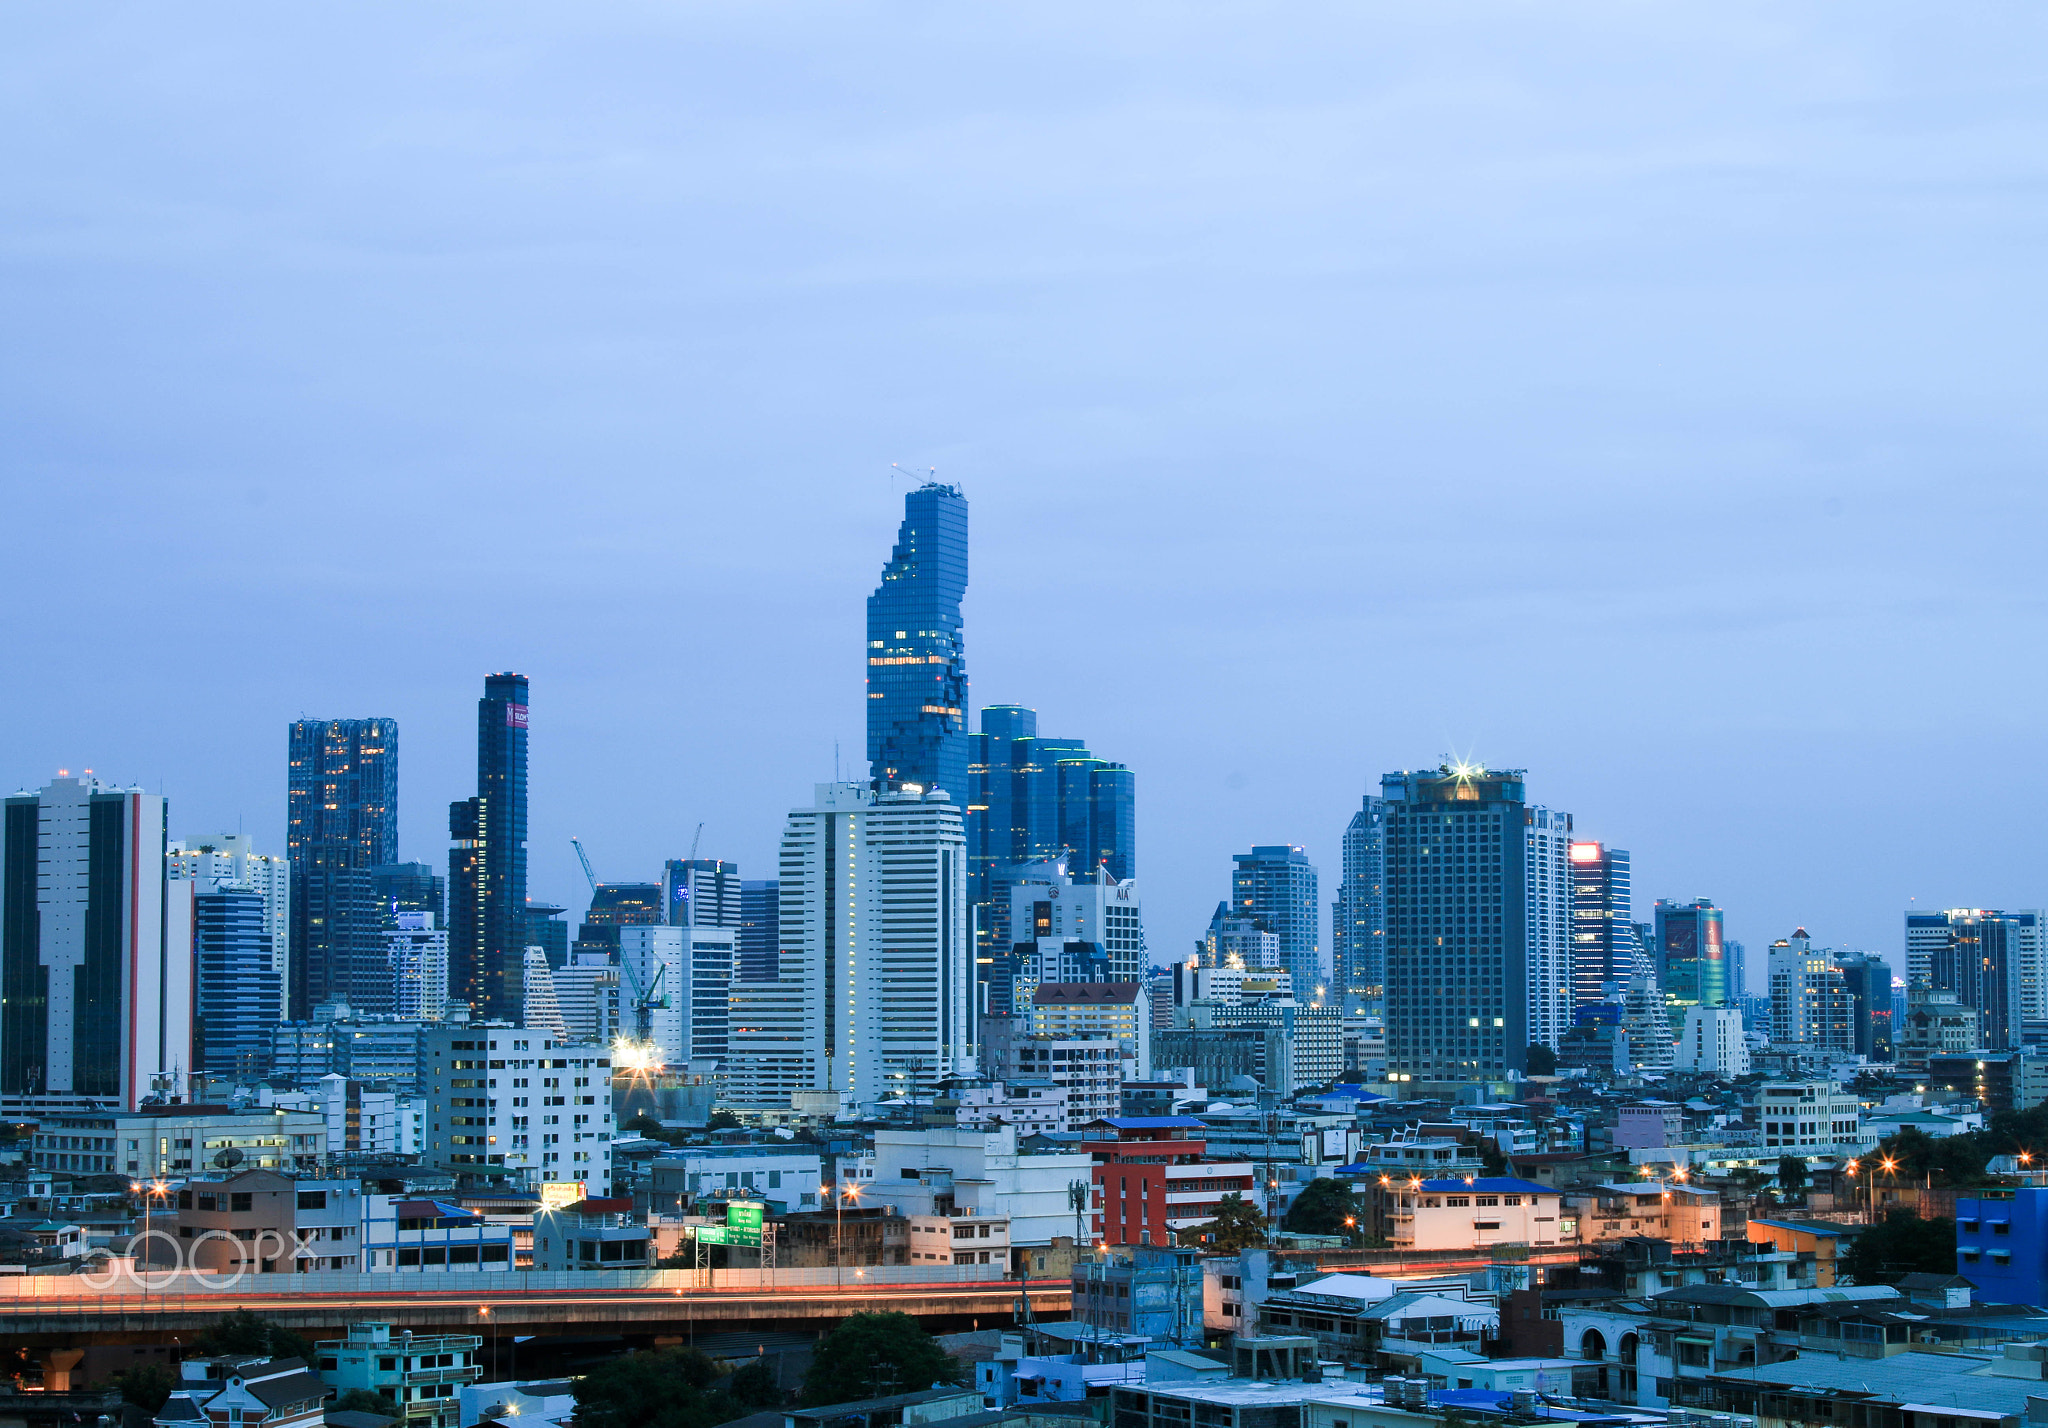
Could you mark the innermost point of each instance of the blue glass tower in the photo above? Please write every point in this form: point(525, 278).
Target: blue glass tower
point(917, 663)
point(236, 987)
point(487, 868)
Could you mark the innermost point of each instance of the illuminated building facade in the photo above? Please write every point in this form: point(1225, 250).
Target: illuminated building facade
point(917, 662)
point(1604, 943)
point(341, 821)
point(1358, 918)
point(1928, 933)
point(487, 917)
point(1276, 885)
point(1692, 963)
point(1477, 897)
point(700, 892)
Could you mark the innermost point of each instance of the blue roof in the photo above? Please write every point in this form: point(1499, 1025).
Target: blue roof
point(1151, 1122)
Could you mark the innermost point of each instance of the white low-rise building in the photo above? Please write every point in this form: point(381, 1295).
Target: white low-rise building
point(1813, 1117)
point(1467, 1213)
point(1712, 1043)
point(955, 1172)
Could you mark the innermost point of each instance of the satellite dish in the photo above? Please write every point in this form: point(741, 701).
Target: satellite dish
point(228, 1159)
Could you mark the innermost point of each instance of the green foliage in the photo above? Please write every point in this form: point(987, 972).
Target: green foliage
point(367, 1400)
point(245, 1333)
point(1325, 1207)
point(755, 1385)
point(1958, 1160)
point(667, 1388)
point(645, 1125)
point(147, 1386)
point(872, 1356)
point(1539, 1060)
point(1491, 1160)
point(722, 1120)
point(1791, 1174)
point(1238, 1225)
point(1904, 1244)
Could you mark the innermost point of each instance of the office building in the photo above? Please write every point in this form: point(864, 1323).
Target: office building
point(510, 1102)
point(487, 916)
point(1240, 941)
point(1868, 978)
point(417, 953)
point(1712, 1043)
point(758, 930)
point(2016, 941)
point(678, 991)
point(539, 989)
point(236, 986)
point(1116, 1011)
point(875, 942)
point(1276, 885)
point(95, 978)
point(1358, 943)
point(231, 858)
point(1692, 962)
point(700, 892)
point(1049, 905)
point(617, 905)
point(546, 930)
point(1478, 897)
point(1809, 999)
point(1035, 799)
point(1603, 945)
point(342, 821)
point(587, 994)
point(917, 663)
point(409, 887)
point(1736, 957)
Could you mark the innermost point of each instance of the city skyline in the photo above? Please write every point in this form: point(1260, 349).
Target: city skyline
point(1219, 435)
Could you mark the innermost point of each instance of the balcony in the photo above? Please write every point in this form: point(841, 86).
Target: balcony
point(469, 1373)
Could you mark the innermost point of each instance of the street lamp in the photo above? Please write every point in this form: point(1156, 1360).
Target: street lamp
point(840, 1195)
point(155, 1190)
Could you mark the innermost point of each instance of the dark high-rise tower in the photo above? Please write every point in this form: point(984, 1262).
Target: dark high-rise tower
point(917, 665)
point(342, 821)
point(1032, 798)
point(487, 867)
point(1604, 943)
point(1276, 884)
point(1358, 918)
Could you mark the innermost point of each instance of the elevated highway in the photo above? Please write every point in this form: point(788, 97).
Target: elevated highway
point(66, 1311)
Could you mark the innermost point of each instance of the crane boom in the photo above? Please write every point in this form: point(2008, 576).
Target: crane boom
point(584, 858)
point(695, 841)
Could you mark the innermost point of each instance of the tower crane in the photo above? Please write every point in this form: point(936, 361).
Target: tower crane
point(645, 998)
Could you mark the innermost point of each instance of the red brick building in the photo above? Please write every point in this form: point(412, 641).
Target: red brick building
point(1153, 1176)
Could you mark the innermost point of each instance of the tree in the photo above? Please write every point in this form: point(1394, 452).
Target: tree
point(147, 1386)
point(245, 1333)
point(1238, 1225)
point(1791, 1174)
point(1904, 1244)
point(368, 1400)
point(722, 1120)
point(644, 1124)
point(872, 1356)
point(756, 1385)
point(1539, 1060)
point(1325, 1207)
point(665, 1388)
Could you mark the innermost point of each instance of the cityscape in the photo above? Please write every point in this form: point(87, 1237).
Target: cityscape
point(1510, 513)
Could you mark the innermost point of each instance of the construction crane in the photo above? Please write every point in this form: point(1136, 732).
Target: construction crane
point(645, 999)
point(695, 841)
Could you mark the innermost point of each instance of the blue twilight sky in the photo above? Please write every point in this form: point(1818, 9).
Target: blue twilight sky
point(1648, 396)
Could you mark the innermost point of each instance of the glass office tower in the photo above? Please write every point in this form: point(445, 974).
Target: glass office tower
point(487, 919)
point(341, 822)
point(917, 662)
point(235, 982)
point(1358, 947)
point(1033, 799)
point(1692, 964)
point(1603, 933)
point(1275, 884)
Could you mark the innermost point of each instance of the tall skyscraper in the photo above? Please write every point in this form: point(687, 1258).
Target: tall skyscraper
point(408, 887)
point(546, 930)
point(1358, 918)
point(1928, 933)
point(487, 869)
point(236, 983)
point(341, 821)
point(1984, 962)
point(1276, 884)
point(1810, 1004)
point(1049, 905)
point(875, 983)
point(701, 892)
point(1736, 956)
point(1692, 961)
point(618, 905)
point(1033, 799)
point(917, 663)
point(1868, 978)
point(232, 858)
point(1478, 897)
point(1604, 944)
point(95, 980)
point(760, 926)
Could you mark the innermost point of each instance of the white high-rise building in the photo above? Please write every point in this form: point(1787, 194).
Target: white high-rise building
point(537, 993)
point(513, 1101)
point(83, 927)
point(419, 966)
point(587, 994)
point(677, 991)
point(1047, 905)
point(874, 936)
point(1928, 934)
point(1547, 923)
point(1712, 1043)
point(1810, 1005)
point(231, 858)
